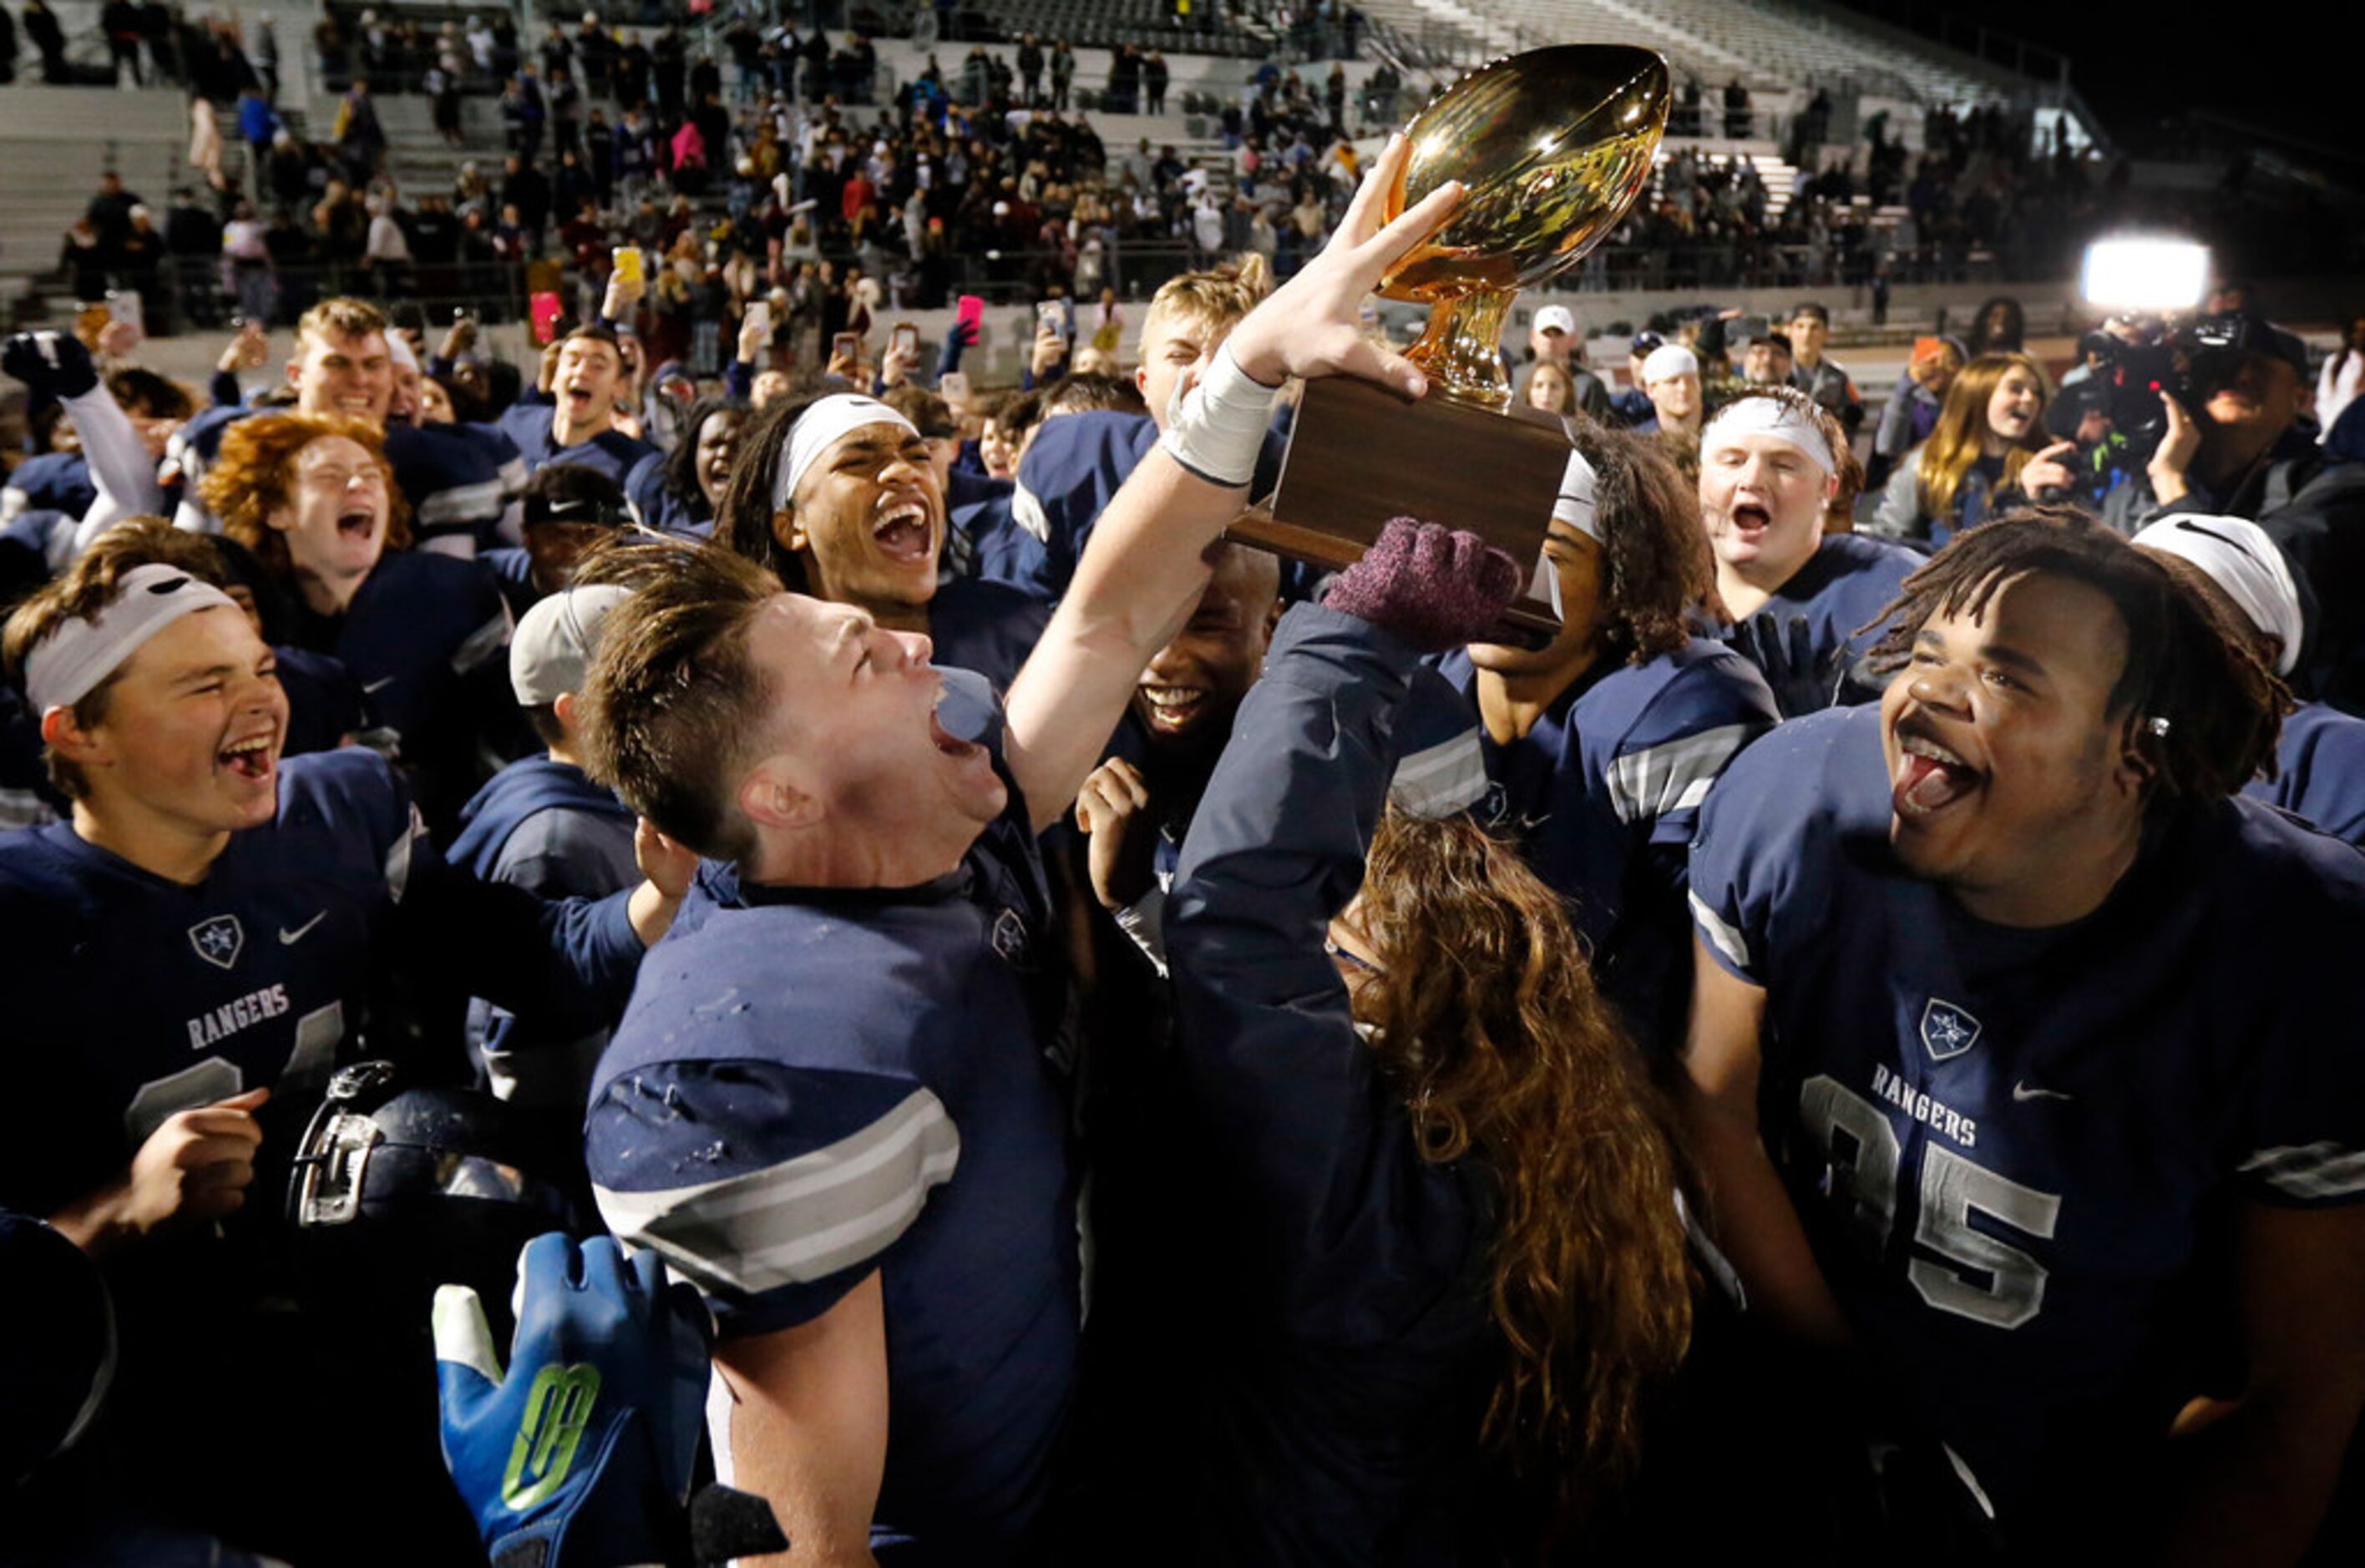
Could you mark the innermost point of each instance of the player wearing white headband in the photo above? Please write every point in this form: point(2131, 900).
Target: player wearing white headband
point(211, 930)
point(1770, 463)
point(1601, 744)
point(836, 495)
point(2320, 757)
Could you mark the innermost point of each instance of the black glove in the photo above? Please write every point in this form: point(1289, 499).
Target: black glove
point(52, 365)
point(1784, 653)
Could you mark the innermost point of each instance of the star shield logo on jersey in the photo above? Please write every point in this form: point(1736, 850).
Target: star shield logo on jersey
point(1947, 1030)
point(218, 941)
point(1010, 939)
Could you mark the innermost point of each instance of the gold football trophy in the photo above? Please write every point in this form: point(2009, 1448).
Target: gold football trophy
point(1552, 148)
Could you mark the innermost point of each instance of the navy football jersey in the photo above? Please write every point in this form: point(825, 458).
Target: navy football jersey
point(54, 481)
point(136, 997)
point(2320, 771)
point(459, 480)
point(1601, 797)
point(2013, 1150)
point(985, 626)
point(1844, 586)
point(812, 1085)
point(627, 460)
point(427, 637)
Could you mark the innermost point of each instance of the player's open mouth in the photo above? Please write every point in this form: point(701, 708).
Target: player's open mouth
point(1173, 707)
point(1751, 518)
point(1930, 777)
point(904, 533)
point(357, 522)
point(946, 742)
point(358, 408)
point(579, 400)
point(253, 758)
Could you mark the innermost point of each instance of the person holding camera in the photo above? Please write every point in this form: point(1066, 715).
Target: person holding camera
point(2234, 445)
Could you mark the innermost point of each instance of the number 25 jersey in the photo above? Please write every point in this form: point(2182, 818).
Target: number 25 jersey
point(2014, 1152)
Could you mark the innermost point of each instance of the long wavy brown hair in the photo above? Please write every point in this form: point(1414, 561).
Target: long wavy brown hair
point(1489, 1025)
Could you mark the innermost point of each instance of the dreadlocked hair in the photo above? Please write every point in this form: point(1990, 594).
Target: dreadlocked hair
point(1656, 564)
point(1492, 1030)
point(2189, 670)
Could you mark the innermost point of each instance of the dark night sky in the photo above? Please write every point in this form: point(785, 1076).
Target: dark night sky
point(2293, 72)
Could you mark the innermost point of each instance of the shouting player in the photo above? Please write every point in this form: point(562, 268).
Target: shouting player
point(2019, 1067)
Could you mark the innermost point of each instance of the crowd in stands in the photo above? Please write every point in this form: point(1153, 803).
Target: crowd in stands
point(1842, 1014)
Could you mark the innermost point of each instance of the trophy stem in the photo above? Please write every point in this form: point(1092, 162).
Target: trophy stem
point(1462, 351)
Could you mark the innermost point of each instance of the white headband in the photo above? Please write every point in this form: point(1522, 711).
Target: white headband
point(66, 666)
point(398, 348)
point(1579, 506)
point(1669, 360)
point(2239, 557)
point(1771, 415)
point(818, 429)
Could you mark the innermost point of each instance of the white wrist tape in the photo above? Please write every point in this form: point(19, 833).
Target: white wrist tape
point(1218, 431)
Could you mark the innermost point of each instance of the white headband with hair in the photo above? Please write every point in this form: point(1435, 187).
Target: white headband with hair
point(2244, 560)
point(1748, 415)
point(818, 429)
point(68, 664)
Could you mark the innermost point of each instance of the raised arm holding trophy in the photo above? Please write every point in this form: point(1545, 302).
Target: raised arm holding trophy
point(1552, 148)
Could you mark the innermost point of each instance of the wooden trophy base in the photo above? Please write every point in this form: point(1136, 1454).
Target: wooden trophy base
point(1359, 455)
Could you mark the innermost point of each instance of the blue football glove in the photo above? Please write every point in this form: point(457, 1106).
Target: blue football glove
point(52, 365)
point(581, 1456)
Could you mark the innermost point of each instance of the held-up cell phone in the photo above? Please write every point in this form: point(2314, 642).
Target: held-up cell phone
point(627, 259)
point(760, 316)
point(970, 311)
point(845, 345)
point(546, 311)
point(123, 305)
point(905, 339)
point(1051, 316)
point(954, 387)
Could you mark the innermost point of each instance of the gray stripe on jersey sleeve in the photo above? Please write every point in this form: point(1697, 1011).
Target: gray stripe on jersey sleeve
point(1646, 785)
point(2312, 1171)
point(483, 643)
point(1723, 935)
point(802, 1219)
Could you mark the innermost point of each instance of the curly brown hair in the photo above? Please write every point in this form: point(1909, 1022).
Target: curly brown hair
point(1657, 565)
point(2201, 708)
point(1492, 1029)
point(254, 475)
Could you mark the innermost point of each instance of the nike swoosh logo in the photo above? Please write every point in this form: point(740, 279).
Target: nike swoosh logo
point(289, 938)
point(2020, 1091)
point(371, 687)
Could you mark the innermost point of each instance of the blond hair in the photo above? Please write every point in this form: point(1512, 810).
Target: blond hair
point(1215, 299)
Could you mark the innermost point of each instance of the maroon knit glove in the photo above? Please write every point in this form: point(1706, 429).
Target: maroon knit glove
point(1432, 589)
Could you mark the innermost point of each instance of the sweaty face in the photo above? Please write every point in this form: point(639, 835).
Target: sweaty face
point(868, 519)
point(586, 380)
point(2016, 406)
point(718, 438)
point(1677, 397)
point(1581, 565)
point(1174, 349)
point(2003, 765)
point(1193, 686)
point(1762, 501)
point(856, 706)
point(336, 509)
point(193, 725)
point(338, 375)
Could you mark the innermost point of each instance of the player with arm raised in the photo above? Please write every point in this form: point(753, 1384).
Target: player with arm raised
point(870, 1177)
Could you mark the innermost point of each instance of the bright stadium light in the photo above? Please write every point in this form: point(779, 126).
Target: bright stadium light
point(2158, 276)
